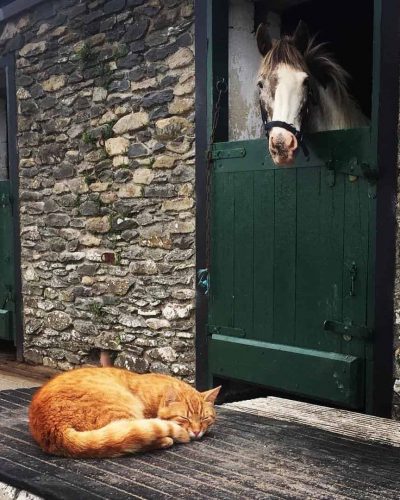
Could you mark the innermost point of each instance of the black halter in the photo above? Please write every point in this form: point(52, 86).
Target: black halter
point(268, 125)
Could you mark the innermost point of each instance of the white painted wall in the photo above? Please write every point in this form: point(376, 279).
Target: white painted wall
point(244, 63)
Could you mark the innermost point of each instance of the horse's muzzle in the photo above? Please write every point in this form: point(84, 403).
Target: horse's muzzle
point(283, 146)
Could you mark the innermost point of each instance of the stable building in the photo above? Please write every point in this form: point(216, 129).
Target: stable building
point(141, 214)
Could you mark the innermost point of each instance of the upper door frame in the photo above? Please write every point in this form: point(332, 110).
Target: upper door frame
point(385, 102)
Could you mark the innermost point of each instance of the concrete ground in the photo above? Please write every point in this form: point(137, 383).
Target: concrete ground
point(11, 381)
point(8, 492)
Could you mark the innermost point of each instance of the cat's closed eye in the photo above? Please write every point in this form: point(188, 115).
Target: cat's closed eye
point(181, 419)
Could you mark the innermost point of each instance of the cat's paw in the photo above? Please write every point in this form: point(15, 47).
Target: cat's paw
point(166, 442)
point(179, 434)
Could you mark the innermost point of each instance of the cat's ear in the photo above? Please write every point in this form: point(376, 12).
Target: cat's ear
point(170, 397)
point(211, 395)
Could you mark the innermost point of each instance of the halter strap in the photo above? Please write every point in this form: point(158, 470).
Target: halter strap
point(268, 125)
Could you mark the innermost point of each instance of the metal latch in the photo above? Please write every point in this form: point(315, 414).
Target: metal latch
point(353, 276)
point(354, 168)
point(203, 280)
point(221, 154)
point(348, 329)
point(371, 174)
point(5, 200)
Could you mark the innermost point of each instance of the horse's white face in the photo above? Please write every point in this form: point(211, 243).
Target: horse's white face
point(284, 95)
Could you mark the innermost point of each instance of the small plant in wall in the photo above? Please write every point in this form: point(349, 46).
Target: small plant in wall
point(97, 309)
point(77, 201)
point(118, 259)
point(85, 53)
point(90, 178)
point(105, 76)
point(88, 137)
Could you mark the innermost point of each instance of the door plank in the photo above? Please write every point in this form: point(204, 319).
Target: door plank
point(243, 251)
point(264, 188)
point(285, 256)
point(222, 258)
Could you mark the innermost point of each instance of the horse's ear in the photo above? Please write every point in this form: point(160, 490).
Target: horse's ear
point(263, 37)
point(301, 36)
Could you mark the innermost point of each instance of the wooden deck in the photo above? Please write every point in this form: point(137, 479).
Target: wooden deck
point(259, 449)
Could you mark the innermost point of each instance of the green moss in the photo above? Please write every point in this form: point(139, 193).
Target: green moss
point(105, 76)
point(96, 309)
point(85, 53)
point(90, 179)
point(107, 130)
point(77, 201)
point(88, 137)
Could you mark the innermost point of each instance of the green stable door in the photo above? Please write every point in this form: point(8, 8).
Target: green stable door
point(291, 295)
point(290, 258)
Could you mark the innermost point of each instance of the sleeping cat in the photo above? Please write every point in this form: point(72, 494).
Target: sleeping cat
point(106, 412)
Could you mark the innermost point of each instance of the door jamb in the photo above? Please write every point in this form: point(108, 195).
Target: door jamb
point(8, 63)
point(385, 121)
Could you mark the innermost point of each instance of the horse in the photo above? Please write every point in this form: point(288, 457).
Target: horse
point(301, 89)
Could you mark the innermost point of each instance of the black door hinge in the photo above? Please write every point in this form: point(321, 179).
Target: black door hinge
point(348, 329)
point(203, 280)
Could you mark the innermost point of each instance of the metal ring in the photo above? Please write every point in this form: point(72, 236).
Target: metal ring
point(222, 85)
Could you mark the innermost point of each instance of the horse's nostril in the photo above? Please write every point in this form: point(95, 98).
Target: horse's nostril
point(274, 141)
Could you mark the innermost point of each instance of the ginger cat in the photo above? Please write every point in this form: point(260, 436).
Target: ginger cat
point(106, 412)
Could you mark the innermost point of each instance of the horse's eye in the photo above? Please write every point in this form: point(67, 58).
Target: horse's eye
point(306, 81)
point(260, 85)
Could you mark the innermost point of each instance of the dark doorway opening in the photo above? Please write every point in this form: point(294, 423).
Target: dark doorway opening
point(347, 28)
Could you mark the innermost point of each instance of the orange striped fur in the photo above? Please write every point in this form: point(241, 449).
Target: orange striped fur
point(106, 412)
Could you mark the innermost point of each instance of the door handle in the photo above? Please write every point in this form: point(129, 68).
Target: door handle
point(353, 276)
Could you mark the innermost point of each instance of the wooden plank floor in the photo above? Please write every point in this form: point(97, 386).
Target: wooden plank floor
point(250, 454)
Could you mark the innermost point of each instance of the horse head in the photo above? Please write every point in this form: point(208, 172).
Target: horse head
point(286, 91)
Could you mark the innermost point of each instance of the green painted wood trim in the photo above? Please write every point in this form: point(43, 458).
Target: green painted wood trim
point(344, 151)
point(315, 374)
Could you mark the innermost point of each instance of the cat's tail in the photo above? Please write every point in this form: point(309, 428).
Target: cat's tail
point(122, 437)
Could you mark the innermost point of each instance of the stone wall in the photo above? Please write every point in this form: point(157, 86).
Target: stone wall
point(106, 142)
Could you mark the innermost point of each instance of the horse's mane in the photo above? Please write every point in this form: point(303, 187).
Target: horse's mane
point(316, 60)
point(324, 67)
